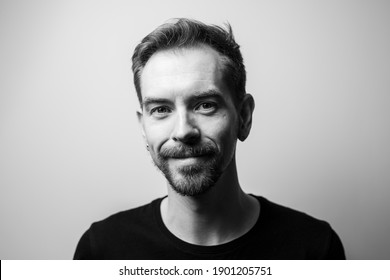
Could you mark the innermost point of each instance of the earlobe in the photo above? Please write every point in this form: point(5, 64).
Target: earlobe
point(246, 111)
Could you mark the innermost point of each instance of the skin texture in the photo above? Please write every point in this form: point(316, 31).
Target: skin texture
point(191, 125)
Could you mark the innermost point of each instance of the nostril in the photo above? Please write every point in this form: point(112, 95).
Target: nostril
point(189, 137)
point(186, 130)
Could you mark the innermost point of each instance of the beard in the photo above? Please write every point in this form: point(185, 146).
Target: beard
point(196, 178)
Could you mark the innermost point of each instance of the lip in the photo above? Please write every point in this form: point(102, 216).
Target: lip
point(185, 157)
point(188, 160)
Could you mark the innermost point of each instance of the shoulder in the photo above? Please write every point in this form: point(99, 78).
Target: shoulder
point(286, 217)
point(108, 238)
point(135, 216)
point(299, 231)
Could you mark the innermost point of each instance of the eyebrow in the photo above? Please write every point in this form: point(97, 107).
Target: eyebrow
point(207, 94)
point(196, 96)
point(152, 100)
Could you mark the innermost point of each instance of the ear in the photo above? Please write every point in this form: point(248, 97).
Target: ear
point(245, 114)
point(140, 117)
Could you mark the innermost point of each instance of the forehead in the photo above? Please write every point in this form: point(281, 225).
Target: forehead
point(182, 71)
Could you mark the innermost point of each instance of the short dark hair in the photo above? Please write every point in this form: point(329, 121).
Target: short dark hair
point(185, 33)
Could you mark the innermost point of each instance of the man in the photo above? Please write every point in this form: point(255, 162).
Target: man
point(190, 81)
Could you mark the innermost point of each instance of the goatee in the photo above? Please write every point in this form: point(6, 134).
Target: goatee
point(194, 179)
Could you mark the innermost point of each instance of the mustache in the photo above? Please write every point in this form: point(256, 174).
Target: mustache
point(183, 151)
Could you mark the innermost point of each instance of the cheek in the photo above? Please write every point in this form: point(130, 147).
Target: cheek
point(222, 130)
point(156, 134)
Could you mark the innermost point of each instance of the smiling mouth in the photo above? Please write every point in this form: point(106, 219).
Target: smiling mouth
point(185, 157)
point(189, 159)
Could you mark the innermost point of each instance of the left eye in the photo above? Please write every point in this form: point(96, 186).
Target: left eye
point(206, 106)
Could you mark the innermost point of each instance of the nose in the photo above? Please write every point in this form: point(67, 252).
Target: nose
point(185, 130)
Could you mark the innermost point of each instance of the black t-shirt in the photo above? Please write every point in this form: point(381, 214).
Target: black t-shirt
point(279, 233)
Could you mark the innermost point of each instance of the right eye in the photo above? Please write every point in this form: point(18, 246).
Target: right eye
point(160, 111)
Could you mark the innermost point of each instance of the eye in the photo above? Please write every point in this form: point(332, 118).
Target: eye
point(160, 111)
point(206, 107)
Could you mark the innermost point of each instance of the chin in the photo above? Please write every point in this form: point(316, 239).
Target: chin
point(193, 183)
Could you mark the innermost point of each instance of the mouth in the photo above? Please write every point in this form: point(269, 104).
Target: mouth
point(188, 160)
point(185, 157)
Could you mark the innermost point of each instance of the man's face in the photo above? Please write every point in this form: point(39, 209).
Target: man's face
point(188, 117)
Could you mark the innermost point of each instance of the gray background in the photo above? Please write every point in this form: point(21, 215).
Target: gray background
point(70, 147)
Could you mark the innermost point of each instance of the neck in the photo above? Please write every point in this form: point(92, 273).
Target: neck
point(218, 216)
